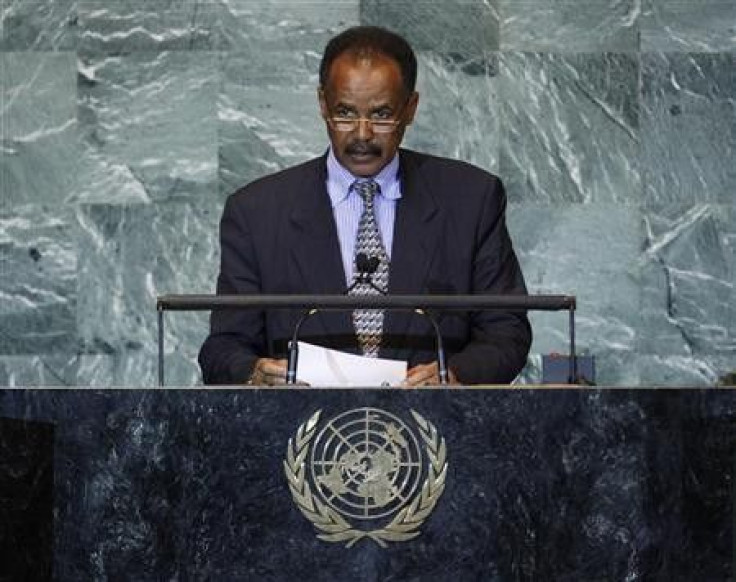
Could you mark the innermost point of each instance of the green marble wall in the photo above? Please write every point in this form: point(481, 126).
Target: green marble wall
point(125, 125)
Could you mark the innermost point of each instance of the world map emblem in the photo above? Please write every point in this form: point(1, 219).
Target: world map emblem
point(366, 474)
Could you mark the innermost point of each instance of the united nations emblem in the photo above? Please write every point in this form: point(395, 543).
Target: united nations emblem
point(367, 467)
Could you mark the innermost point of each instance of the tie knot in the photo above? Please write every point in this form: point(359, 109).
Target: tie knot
point(366, 189)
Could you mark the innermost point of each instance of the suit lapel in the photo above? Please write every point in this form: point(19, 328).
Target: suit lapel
point(416, 234)
point(315, 249)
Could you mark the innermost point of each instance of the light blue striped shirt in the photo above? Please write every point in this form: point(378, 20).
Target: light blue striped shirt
point(347, 206)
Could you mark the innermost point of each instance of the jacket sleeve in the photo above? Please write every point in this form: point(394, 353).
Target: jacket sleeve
point(499, 341)
point(236, 338)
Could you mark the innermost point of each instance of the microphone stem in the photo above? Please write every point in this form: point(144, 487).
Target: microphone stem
point(441, 363)
point(294, 348)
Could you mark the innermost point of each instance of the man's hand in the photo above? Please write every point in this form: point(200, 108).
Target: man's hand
point(269, 372)
point(427, 375)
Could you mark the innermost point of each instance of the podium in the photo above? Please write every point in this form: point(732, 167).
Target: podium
point(540, 484)
point(26, 499)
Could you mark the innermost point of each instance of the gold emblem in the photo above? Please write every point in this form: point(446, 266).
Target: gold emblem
point(366, 466)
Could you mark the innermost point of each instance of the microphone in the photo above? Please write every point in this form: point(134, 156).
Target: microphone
point(366, 267)
point(371, 266)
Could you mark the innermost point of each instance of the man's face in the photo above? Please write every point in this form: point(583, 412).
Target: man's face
point(367, 88)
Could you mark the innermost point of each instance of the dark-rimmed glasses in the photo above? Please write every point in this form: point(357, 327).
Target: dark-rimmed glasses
point(346, 124)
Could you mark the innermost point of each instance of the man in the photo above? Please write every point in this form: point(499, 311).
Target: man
point(433, 225)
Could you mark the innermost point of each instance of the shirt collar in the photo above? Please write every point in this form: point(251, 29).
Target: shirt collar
point(340, 179)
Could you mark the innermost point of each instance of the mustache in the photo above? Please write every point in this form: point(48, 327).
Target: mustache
point(363, 148)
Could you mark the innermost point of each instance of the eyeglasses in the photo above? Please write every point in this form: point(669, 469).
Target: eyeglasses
point(346, 124)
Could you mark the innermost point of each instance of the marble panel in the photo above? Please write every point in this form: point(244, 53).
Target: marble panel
point(41, 168)
point(590, 251)
point(33, 25)
point(99, 370)
point(132, 25)
point(268, 115)
point(39, 370)
point(104, 179)
point(569, 26)
point(462, 29)
point(38, 93)
point(38, 259)
point(570, 127)
point(459, 111)
point(39, 140)
point(698, 26)
point(132, 254)
point(688, 278)
point(128, 366)
point(688, 123)
point(152, 115)
point(674, 370)
point(92, 370)
point(300, 26)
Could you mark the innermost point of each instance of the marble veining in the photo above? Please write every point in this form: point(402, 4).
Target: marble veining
point(117, 314)
point(30, 25)
point(466, 106)
point(689, 295)
point(268, 115)
point(39, 295)
point(590, 251)
point(454, 28)
point(689, 127)
point(567, 26)
point(154, 112)
point(570, 127)
point(38, 125)
point(702, 26)
point(125, 25)
point(294, 26)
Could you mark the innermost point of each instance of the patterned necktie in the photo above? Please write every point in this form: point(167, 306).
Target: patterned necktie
point(369, 322)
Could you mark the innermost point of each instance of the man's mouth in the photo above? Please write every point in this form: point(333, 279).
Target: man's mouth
point(362, 151)
point(362, 157)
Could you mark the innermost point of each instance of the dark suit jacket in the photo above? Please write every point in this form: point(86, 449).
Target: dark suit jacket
point(278, 235)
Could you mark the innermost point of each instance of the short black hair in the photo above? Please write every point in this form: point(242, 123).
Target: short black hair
point(364, 40)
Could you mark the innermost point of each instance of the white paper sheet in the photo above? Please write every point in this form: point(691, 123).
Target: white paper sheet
point(320, 366)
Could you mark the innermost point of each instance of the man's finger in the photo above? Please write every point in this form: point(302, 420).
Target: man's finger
point(422, 375)
point(269, 372)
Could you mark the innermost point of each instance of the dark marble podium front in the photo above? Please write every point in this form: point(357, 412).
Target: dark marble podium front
point(589, 484)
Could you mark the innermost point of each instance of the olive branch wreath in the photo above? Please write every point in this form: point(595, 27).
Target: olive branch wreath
point(335, 528)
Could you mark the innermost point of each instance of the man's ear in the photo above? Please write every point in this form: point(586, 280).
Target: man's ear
point(411, 108)
point(322, 103)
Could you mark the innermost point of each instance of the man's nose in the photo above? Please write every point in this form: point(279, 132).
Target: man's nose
point(365, 129)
